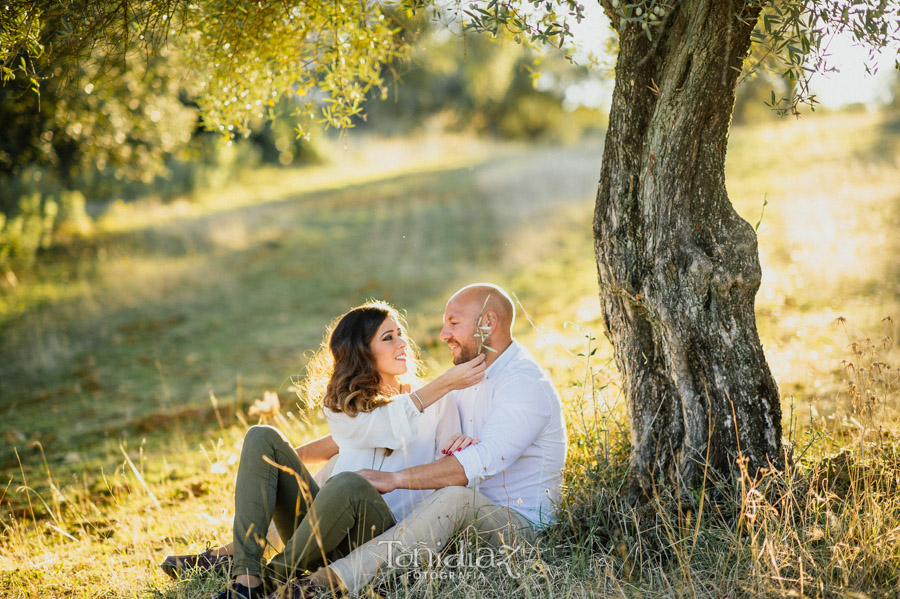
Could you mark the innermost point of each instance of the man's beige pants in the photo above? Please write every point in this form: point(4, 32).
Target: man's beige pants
point(428, 529)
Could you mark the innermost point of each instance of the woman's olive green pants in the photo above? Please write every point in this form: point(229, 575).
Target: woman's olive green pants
point(318, 525)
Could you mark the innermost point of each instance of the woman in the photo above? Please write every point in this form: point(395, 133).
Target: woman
point(377, 420)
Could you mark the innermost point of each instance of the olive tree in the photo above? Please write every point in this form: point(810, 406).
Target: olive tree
point(678, 268)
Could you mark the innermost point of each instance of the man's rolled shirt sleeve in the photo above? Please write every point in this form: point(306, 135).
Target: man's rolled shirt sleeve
point(518, 417)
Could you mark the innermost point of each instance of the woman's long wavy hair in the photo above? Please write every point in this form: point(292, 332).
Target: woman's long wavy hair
point(343, 371)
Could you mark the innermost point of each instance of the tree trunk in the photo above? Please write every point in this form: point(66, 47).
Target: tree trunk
point(678, 268)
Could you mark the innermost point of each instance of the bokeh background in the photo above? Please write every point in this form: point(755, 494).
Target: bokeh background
point(156, 280)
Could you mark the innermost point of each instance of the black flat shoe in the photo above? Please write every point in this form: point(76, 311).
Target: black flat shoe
point(176, 565)
point(239, 591)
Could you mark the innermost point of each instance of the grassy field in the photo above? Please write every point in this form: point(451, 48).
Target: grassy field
point(129, 361)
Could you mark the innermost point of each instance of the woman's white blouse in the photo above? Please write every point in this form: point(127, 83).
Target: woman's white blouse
point(415, 437)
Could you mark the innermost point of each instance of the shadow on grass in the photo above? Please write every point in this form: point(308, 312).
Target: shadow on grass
point(173, 313)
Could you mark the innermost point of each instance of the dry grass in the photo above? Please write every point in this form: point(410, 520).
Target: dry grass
point(136, 356)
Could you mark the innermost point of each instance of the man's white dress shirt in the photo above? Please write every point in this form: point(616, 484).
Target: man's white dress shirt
point(516, 414)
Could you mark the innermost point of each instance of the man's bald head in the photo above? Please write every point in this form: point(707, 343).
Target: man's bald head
point(478, 317)
point(487, 297)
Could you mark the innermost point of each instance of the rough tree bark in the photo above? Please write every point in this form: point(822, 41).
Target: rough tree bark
point(678, 267)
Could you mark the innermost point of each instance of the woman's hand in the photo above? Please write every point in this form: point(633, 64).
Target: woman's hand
point(459, 377)
point(457, 442)
point(465, 374)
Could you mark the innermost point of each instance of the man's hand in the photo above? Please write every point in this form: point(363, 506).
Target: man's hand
point(384, 482)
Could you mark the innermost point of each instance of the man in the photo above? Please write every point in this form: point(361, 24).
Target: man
point(506, 484)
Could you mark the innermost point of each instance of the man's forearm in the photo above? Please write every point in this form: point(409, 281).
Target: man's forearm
point(445, 472)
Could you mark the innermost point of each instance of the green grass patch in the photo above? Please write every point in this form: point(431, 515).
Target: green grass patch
point(130, 358)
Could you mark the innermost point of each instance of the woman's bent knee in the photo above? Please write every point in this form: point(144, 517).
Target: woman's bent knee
point(262, 433)
point(262, 440)
point(349, 482)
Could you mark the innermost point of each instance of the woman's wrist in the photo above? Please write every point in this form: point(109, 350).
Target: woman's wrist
point(431, 392)
point(443, 385)
point(417, 400)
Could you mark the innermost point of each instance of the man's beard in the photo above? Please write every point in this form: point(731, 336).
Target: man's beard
point(466, 353)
